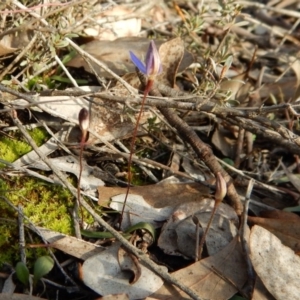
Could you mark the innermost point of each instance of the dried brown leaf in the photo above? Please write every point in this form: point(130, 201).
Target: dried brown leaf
point(171, 54)
point(203, 276)
point(287, 230)
point(69, 244)
point(158, 195)
point(276, 265)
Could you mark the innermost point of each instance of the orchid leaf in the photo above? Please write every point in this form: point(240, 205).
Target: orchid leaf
point(42, 266)
point(22, 273)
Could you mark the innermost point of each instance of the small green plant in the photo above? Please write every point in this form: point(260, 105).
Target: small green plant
point(42, 266)
point(22, 273)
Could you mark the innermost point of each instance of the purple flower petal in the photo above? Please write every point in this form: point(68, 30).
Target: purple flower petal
point(137, 63)
point(153, 63)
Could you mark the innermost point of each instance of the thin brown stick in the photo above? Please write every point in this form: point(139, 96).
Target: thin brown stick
point(244, 237)
point(203, 237)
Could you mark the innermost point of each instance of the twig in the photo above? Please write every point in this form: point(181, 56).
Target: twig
point(221, 190)
point(203, 237)
point(237, 117)
point(21, 234)
point(270, 188)
point(243, 232)
point(66, 71)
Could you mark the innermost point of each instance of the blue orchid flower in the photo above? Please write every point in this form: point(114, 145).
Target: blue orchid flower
point(152, 66)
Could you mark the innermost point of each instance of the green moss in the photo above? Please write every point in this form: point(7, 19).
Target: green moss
point(13, 148)
point(45, 204)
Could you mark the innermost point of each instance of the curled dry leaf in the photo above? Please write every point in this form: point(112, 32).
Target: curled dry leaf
point(129, 263)
point(236, 86)
point(223, 140)
point(102, 273)
point(9, 286)
point(277, 265)
point(192, 170)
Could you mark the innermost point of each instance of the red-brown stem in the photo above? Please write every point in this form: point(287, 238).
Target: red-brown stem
point(217, 202)
point(82, 143)
point(146, 92)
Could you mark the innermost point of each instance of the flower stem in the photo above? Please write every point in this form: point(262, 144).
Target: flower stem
point(81, 145)
point(146, 92)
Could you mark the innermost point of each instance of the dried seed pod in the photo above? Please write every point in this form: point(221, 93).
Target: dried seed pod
point(221, 188)
point(84, 123)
